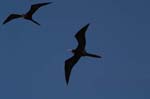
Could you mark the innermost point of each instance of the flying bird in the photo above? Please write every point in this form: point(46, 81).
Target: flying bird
point(78, 52)
point(28, 15)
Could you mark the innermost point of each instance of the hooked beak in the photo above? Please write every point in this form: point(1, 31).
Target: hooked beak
point(69, 50)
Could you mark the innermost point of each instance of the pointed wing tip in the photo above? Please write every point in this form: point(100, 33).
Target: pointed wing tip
point(82, 31)
point(67, 81)
point(99, 57)
point(48, 3)
point(4, 22)
point(67, 76)
point(40, 4)
point(38, 24)
point(87, 25)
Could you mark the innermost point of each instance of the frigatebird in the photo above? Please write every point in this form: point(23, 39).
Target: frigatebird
point(78, 52)
point(27, 15)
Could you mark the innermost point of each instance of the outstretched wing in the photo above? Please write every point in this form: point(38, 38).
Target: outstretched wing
point(80, 36)
point(69, 65)
point(11, 17)
point(35, 7)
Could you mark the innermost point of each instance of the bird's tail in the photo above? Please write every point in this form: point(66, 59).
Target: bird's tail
point(35, 22)
point(93, 55)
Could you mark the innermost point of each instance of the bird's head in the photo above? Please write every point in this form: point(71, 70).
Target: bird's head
point(23, 15)
point(71, 50)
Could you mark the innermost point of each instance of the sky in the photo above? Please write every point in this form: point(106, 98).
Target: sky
point(32, 57)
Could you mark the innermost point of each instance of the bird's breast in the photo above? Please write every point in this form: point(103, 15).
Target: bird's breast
point(79, 52)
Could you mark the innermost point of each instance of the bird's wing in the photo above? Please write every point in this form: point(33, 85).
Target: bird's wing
point(35, 7)
point(69, 65)
point(11, 17)
point(80, 36)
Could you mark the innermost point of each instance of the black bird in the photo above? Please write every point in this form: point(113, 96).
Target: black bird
point(78, 52)
point(28, 15)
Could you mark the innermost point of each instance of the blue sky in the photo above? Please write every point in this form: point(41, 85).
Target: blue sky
point(32, 57)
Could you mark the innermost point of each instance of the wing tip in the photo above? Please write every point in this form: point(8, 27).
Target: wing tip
point(3, 23)
point(86, 26)
point(46, 3)
point(100, 57)
point(50, 2)
point(67, 81)
point(83, 29)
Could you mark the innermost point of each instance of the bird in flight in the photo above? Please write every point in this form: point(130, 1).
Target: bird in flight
point(28, 15)
point(78, 52)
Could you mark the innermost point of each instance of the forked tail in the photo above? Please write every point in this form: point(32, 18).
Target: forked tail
point(35, 22)
point(93, 55)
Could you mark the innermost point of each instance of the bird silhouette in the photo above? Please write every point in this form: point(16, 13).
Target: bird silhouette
point(78, 52)
point(28, 15)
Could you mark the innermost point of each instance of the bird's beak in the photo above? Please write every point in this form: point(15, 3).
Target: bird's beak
point(69, 50)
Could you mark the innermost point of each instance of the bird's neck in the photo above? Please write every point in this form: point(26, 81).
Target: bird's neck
point(23, 15)
point(79, 51)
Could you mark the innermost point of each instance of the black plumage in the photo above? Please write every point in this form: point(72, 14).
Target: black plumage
point(28, 15)
point(78, 52)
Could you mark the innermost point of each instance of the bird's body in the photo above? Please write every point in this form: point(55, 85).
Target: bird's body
point(84, 53)
point(28, 15)
point(78, 52)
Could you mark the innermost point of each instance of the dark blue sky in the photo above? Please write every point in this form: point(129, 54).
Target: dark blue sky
point(32, 57)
